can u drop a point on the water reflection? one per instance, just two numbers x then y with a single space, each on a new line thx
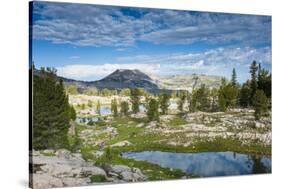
208 163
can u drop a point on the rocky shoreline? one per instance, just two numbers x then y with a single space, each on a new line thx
62 168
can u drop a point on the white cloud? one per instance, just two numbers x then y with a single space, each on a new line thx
98 71
218 61
91 25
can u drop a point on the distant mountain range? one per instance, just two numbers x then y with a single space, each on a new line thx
126 78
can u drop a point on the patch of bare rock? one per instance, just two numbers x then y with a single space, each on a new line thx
62 168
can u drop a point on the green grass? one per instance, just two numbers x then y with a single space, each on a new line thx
98 178
177 121
48 153
143 140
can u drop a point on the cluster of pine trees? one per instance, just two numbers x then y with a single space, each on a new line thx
254 93
152 104
51 111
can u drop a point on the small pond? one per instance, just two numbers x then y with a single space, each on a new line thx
206 164
86 120
105 110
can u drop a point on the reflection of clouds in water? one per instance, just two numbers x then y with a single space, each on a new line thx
202 164
267 163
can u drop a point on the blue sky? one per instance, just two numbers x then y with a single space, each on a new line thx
88 42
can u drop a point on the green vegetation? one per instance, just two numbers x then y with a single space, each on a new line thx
53 117
114 107
260 104
164 103
124 108
51 111
228 94
181 102
135 100
99 108
98 178
177 121
71 89
152 112
234 78
200 99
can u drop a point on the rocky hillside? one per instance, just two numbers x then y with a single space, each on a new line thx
187 81
125 78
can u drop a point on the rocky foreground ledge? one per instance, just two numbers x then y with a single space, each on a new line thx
62 168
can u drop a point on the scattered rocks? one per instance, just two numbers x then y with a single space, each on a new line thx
140 125
121 144
98 154
129 174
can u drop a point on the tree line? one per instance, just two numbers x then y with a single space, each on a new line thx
255 93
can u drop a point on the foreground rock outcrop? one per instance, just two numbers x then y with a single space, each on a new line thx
62 168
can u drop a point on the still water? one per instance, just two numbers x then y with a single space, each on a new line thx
206 164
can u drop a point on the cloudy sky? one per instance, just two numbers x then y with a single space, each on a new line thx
88 42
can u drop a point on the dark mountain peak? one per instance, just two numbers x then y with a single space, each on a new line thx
126 74
127 78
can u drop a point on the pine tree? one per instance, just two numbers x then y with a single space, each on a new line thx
124 108
234 77
90 103
228 95
253 71
260 103
51 111
135 100
72 113
181 102
164 103
245 95
264 81
114 107
200 99
153 112
98 108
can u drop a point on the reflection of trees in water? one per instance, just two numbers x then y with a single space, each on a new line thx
258 165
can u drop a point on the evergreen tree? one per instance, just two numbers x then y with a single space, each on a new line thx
105 92
181 102
71 89
153 112
114 107
214 99
135 99
260 103
234 77
98 108
222 102
253 71
245 95
90 103
83 106
164 103
51 111
125 92
264 81
72 113
200 99
124 108
228 95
